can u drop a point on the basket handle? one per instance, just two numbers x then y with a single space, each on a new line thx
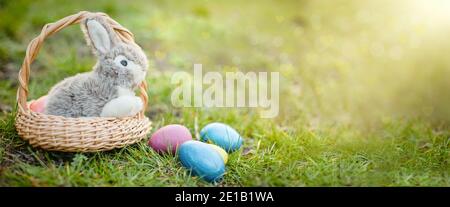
52 28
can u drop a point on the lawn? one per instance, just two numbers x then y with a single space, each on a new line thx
364 90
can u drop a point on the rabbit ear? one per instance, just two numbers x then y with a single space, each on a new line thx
99 35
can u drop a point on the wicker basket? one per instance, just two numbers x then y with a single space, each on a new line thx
57 133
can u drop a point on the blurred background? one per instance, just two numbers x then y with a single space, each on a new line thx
358 63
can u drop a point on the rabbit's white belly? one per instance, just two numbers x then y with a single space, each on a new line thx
124 91
127 104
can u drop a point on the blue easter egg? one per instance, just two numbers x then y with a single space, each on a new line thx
203 160
221 135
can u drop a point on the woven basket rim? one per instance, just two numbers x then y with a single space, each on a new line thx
86 119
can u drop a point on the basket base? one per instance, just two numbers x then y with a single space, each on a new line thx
56 133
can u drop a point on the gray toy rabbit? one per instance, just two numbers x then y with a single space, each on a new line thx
108 90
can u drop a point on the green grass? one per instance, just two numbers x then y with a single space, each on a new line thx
406 154
364 95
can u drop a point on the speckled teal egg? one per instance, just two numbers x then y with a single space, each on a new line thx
222 135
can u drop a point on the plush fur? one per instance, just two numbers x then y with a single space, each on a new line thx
108 90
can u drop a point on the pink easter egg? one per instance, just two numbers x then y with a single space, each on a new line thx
169 138
39 104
